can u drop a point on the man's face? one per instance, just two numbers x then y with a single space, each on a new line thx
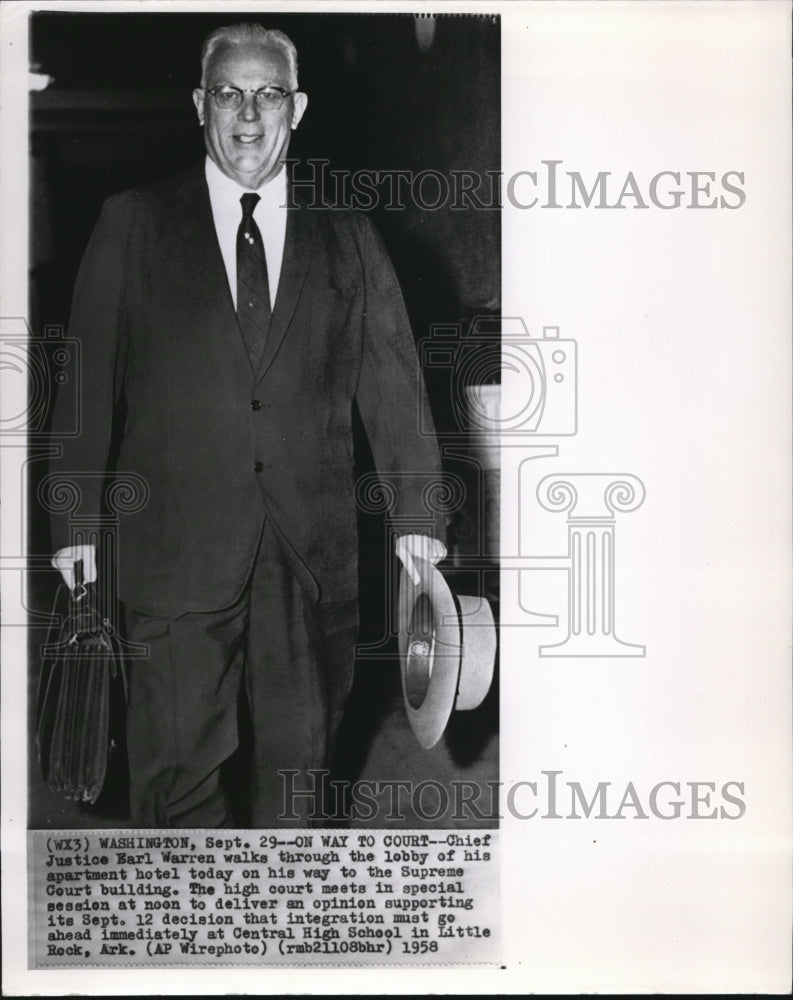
248 144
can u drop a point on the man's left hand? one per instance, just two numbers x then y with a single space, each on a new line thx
411 547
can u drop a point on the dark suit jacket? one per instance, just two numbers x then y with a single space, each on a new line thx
156 321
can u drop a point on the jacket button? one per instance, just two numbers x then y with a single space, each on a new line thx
256 404
258 466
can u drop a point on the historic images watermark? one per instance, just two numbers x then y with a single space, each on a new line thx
549 186
514 391
551 795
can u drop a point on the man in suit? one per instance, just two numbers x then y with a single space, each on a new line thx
241 333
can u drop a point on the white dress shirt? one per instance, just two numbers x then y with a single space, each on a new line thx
269 215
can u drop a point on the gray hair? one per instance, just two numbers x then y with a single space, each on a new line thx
244 33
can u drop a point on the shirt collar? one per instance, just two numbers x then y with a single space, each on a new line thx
272 194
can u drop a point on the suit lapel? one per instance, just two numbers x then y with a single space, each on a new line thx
205 278
301 233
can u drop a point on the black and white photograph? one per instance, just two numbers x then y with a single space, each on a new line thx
196 452
395 558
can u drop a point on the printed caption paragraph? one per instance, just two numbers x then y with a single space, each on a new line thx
186 898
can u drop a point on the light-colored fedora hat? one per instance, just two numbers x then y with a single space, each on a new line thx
447 651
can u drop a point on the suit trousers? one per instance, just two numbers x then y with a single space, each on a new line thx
291 660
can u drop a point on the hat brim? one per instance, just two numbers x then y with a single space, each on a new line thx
447 651
430 651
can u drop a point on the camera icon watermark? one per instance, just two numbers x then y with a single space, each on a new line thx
511 394
34 369
502 380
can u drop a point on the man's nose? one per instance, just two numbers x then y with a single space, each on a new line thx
249 111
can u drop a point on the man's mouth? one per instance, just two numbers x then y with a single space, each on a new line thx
247 139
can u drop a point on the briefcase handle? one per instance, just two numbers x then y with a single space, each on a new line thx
80 589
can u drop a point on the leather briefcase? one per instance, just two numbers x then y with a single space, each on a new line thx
82 679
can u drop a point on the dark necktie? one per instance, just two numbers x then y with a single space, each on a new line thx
253 290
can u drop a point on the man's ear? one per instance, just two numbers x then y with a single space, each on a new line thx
198 100
299 104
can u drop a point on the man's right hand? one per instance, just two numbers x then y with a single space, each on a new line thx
65 559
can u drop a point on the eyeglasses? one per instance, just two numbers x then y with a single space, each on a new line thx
265 99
